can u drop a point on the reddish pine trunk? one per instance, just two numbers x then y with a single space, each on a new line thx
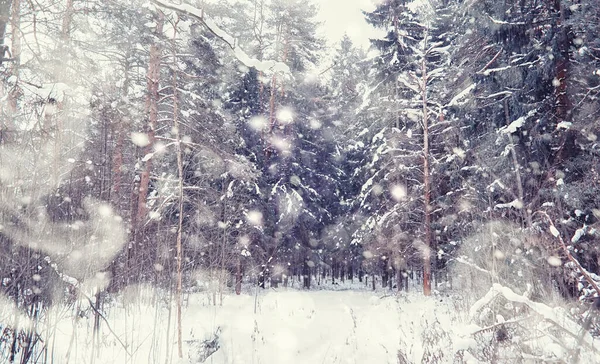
153 76
139 211
117 160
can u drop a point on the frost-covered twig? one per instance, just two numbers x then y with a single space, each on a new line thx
211 26
490 62
105 321
472 265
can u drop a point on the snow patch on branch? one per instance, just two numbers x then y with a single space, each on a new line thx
268 66
517 204
456 100
517 124
579 233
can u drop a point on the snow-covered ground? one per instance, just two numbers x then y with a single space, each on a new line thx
296 326
289 326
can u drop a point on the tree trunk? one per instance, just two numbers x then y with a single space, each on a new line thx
223 241
262 277
333 271
399 281
384 274
426 183
67 20
563 104
153 78
177 131
568 148
5 8
238 277
272 120
15 24
6 120
306 274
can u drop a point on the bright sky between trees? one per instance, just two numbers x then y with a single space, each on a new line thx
345 16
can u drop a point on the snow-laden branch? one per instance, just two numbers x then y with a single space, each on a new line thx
456 100
464 261
514 126
268 66
556 315
503 22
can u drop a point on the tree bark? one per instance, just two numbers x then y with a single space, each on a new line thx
152 112
568 148
426 183
306 274
238 277
15 24
153 78
67 21
176 128
5 9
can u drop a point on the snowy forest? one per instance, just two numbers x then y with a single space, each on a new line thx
219 181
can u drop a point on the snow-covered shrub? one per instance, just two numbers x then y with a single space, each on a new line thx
436 342
200 350
507 327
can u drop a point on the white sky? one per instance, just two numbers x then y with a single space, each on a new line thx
345 16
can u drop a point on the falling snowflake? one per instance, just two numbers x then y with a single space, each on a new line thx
140 139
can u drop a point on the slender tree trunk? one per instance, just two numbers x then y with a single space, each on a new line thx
153 78
67 21
223 244
563 104
568 147
426 184
15 24
5 10
384 274
119 132
238 277
272 105
168 336
517 168
5 119
176 128
333 271
286 50
306 274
